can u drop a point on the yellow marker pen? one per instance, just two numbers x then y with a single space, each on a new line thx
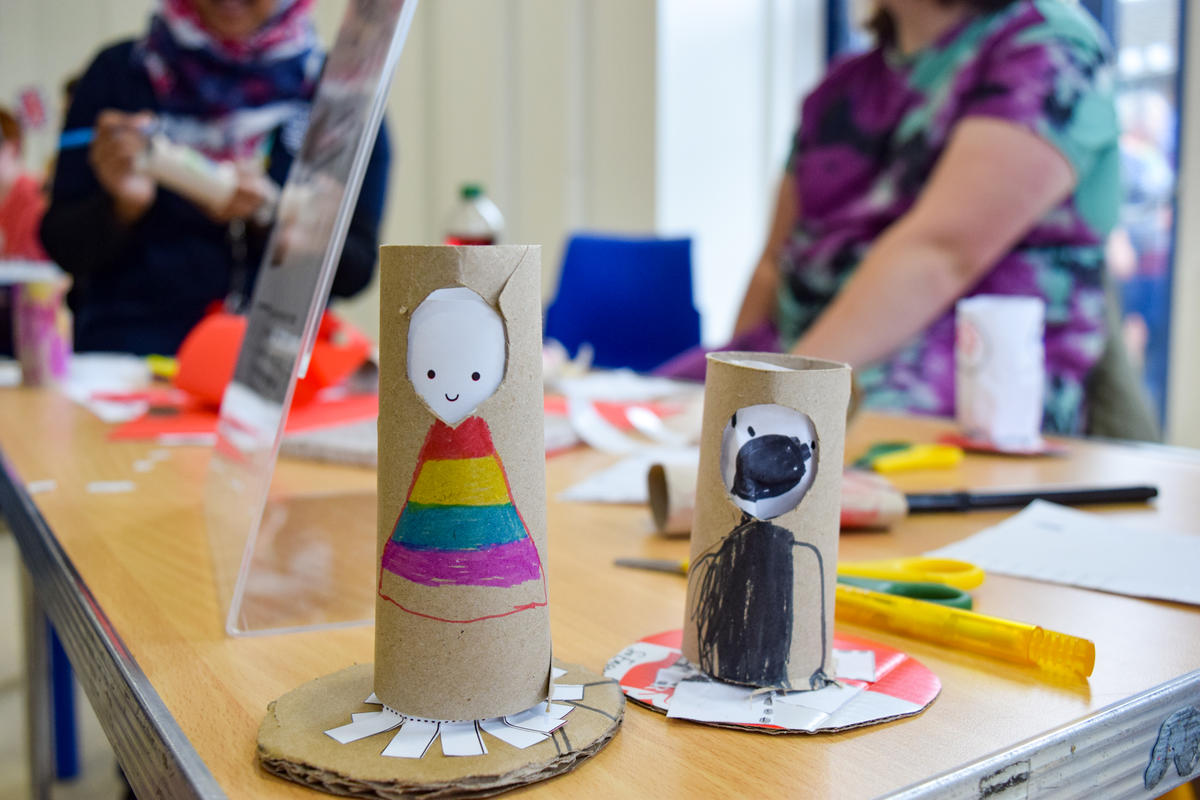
966 630
919 456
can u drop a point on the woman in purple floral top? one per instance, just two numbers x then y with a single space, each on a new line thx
973 151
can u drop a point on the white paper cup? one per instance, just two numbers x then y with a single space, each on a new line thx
1000 370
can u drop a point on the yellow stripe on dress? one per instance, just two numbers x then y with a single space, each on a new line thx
460 481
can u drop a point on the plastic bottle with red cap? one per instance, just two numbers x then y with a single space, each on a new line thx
475 219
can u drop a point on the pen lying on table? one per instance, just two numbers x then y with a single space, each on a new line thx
973 501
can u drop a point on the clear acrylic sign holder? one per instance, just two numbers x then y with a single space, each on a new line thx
295 553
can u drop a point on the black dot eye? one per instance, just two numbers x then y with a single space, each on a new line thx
750 430
474 376
431 374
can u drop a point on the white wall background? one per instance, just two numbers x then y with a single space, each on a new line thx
611 115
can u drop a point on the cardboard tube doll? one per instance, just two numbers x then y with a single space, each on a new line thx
462 622
765 533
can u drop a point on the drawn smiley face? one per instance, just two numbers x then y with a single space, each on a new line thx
768 459
456 352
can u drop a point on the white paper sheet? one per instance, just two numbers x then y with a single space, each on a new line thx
625 481
1053 543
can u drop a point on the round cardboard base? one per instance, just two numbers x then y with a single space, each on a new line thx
292 743
651 671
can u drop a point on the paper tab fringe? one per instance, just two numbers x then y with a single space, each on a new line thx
414 737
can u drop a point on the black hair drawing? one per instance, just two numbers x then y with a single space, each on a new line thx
745 584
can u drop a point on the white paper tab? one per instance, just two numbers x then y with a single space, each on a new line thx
111 487
567 691
535 719
519 738
855 665
364 725
462 739
412 740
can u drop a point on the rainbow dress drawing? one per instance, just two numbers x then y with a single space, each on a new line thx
459 527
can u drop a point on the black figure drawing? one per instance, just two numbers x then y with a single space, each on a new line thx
746 586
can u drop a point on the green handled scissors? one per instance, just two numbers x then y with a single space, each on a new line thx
938 593
959 574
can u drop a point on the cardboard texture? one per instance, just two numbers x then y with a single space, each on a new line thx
761 586
450 647
292 745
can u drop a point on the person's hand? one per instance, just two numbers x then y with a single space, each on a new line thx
113 155
253 190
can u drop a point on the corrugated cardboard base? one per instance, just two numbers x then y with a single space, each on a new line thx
292 743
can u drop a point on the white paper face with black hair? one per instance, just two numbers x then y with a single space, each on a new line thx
768 459
456 352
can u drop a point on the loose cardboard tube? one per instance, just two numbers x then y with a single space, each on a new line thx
462 626
672 490
761 585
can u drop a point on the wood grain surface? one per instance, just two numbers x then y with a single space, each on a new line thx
145 556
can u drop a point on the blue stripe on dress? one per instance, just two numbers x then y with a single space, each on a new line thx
439 527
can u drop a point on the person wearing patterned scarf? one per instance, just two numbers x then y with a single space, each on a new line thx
234 80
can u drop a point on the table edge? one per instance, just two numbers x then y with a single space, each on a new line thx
155 754
1118 741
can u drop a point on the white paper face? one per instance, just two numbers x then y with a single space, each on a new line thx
456 352
768 459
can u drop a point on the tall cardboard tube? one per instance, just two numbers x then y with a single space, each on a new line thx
462 626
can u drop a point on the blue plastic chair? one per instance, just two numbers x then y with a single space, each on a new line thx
629 298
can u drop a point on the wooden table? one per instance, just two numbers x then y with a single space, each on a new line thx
126 579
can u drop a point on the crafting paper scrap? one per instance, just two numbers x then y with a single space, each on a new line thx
111 487
519 738
1053 543
412 740
826 700
856 665
556 673
535 719
566 691
364 725
143 465
462 739
867 707
37 487
706 700
654 672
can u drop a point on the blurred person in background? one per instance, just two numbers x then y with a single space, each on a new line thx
21 201
234 81
973 150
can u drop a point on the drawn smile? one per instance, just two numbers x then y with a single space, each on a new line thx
451 399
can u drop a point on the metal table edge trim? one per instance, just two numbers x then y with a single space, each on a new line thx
1114 742
156 756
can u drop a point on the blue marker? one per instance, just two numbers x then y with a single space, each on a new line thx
82 137
79 137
